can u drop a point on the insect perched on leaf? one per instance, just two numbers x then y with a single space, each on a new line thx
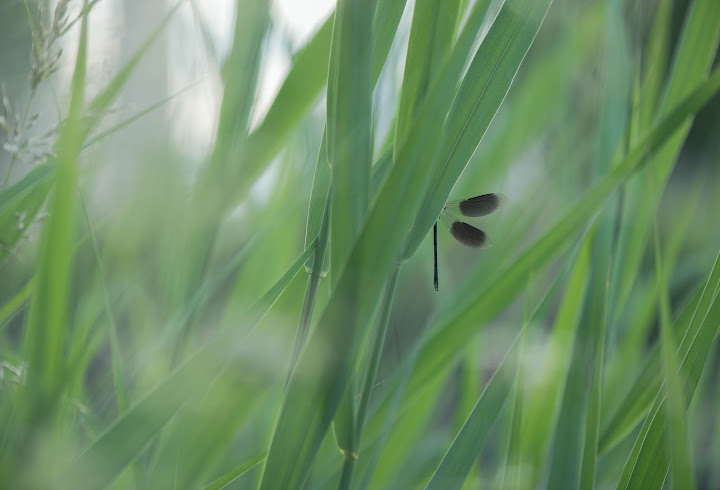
463 232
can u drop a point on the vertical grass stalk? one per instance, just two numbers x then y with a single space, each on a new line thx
371 369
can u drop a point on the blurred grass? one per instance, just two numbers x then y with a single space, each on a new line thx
149 299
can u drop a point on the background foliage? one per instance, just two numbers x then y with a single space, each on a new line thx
260 312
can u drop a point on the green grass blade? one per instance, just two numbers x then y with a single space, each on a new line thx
623 411
349 152
385 24
302 86
368 382
352 183
431 36
318 204
679 449
545 396
119 382
101 102
311 291
138 115
47 325
463 452
349 125
300 90
24 198
227 479
240 73
11 307
454 468
450 334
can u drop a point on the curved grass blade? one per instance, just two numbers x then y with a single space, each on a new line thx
227 479
574 453
121 391
350 452
100 103
463 452
545 396
431 38
20 203
12 306
312 288
349 151
349 126
300 90
318 204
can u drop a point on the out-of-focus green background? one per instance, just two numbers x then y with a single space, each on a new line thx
163 178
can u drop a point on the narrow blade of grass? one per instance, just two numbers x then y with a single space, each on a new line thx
349 152
22 199
463 452
227 479
12 306
431 37
300 90
678 444
47 325
545 396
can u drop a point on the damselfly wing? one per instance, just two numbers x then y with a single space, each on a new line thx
463 232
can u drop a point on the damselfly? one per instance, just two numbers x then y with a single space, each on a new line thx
463 232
